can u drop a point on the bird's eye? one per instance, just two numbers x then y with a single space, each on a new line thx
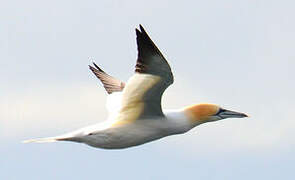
221 110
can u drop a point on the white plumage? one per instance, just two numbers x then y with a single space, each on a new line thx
135 111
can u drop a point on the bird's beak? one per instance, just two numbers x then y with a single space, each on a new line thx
232 114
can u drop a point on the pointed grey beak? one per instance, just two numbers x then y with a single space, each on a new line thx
231 114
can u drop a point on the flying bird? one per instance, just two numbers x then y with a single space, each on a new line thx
135 112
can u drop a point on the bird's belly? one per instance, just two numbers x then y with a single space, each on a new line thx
124 137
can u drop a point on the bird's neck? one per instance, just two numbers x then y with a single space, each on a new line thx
180 120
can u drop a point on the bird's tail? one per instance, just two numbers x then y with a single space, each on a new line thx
47 140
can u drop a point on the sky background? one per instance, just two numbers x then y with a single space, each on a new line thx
238 54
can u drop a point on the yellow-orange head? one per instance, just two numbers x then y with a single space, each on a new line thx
201 113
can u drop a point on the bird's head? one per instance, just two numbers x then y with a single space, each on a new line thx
201 113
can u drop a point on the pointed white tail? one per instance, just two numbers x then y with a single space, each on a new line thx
41 140
47 140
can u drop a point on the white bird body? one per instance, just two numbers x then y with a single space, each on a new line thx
132 134
135 110
110 135
116 134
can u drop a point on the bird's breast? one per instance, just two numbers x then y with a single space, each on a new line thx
130 134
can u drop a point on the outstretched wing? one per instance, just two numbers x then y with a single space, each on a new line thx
110 83
150 60
143 92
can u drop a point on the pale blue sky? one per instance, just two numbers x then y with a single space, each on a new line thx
239 54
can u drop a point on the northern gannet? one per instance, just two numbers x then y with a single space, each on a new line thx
135 112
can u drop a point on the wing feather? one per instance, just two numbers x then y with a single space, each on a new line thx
110 83
143 92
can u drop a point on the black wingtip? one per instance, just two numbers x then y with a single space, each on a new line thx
141 28
92 68
98 68
137 31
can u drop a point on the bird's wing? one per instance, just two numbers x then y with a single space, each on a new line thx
114 88
110 83
143 92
